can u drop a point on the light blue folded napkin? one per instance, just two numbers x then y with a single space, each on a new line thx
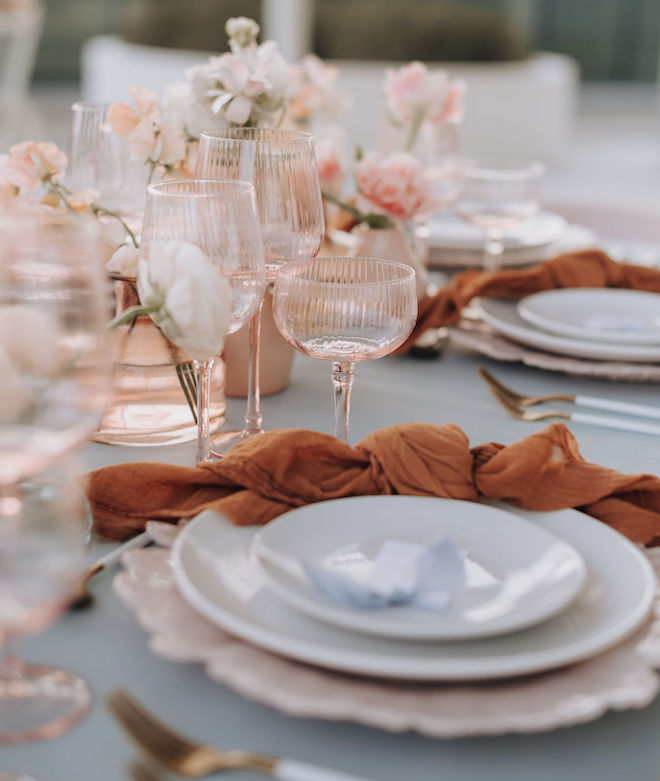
403 573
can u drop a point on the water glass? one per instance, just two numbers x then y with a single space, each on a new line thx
497 198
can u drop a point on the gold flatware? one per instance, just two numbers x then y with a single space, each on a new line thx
195 760
82 597
521 413
593 402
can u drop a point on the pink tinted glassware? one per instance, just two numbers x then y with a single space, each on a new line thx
42 552
497 198
344 310
281 164
220 218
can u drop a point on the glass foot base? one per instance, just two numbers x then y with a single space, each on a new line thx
224 441
42 703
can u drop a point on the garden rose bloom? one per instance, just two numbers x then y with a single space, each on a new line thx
331 166
396 184
30 162
124 261
193 299
413 89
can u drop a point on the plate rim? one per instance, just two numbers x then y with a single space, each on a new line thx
511 244
526 334
580 332
393 668
349 620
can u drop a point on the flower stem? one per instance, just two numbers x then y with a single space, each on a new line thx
131 313
372 220
413 131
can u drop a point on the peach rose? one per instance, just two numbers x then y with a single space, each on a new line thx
395 184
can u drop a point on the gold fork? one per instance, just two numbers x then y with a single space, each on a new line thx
194 760
625 424
140 771
593 402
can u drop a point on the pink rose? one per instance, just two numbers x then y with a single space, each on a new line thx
30 162
395 184
331 166
413 89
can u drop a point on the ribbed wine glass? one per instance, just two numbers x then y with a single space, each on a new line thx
345 310
100 160
282 166
497 197
220 218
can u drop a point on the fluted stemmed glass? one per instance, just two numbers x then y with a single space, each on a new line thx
344 310
282 166
497 197
55 378
220 218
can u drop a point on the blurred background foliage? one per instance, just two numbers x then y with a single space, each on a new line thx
613 40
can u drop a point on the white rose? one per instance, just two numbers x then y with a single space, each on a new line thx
191 300
124 261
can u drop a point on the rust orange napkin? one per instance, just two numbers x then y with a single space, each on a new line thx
586 268
270 474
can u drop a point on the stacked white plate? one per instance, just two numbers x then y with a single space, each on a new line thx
543 589
595 323
454 243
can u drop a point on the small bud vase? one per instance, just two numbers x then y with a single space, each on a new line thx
148 405
275 357
400 243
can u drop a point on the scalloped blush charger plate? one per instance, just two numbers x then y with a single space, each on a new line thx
508 587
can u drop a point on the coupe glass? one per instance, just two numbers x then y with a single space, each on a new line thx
282 166
345 310
42 552
219 217
497 198
100 160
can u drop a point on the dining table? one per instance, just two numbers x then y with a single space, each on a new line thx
109 649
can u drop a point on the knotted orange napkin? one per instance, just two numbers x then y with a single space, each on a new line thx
270 474
586 268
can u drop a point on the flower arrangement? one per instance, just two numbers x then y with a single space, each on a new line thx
315 94
248 86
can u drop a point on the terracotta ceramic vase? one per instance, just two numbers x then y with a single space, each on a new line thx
399 243
275 357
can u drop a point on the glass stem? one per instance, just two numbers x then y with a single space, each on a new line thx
253 416
493 250
342 382
203 373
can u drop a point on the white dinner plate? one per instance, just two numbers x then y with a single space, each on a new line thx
503 316
447 231
609 315
214 571
508 587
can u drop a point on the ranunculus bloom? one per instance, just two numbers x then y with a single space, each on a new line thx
30 162
194 300
413 89
395 184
